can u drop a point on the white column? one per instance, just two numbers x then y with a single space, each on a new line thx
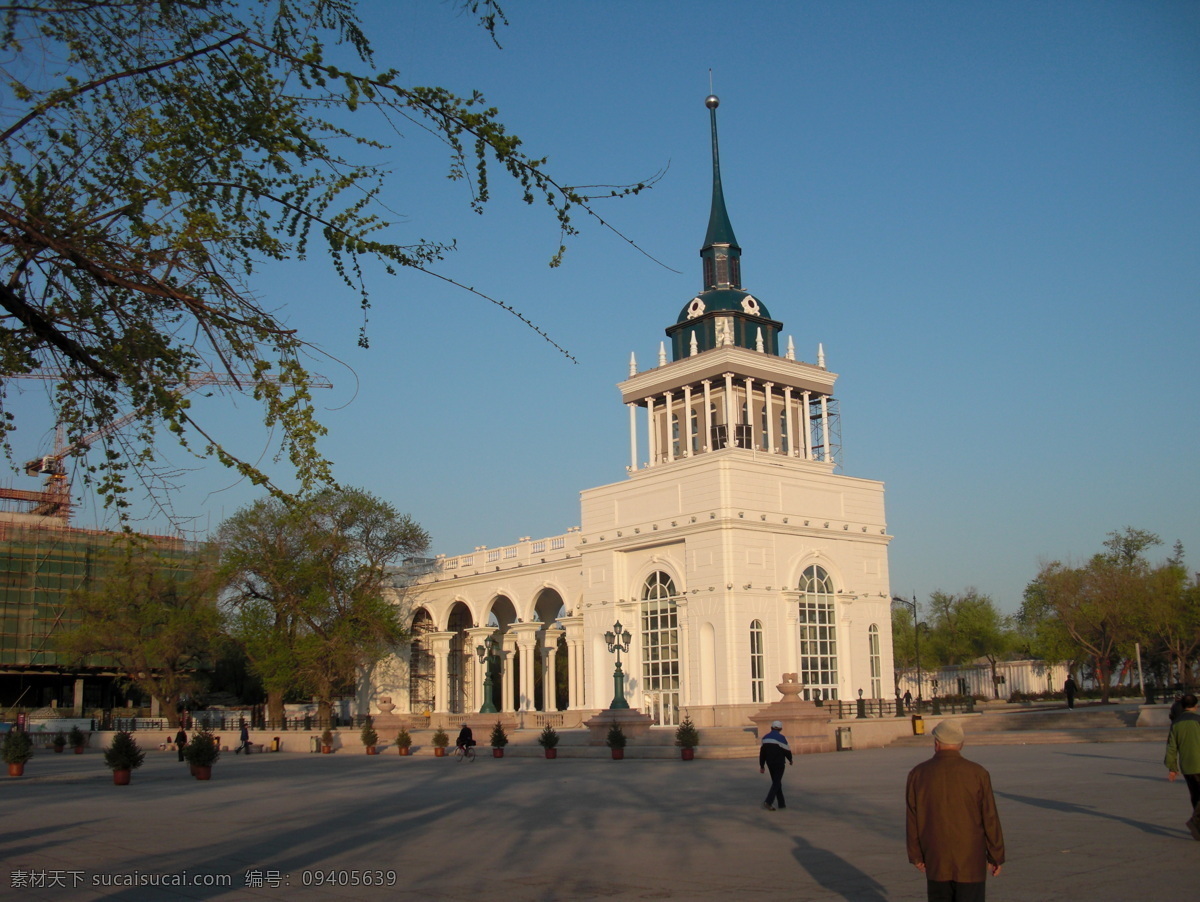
668 414
508 650
729 422
751 419
633 438
825 428
685 658
787 413
439 645
769 414
687 416
526 637
807 430
706 444
653 431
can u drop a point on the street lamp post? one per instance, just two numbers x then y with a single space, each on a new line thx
916 640
618 639
487 657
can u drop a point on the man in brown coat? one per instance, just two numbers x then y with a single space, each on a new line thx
953 828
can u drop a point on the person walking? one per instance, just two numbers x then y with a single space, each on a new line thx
775 755
180 741
1183 756
243 739
953 828
1070 689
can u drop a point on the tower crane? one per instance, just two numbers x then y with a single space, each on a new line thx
54 500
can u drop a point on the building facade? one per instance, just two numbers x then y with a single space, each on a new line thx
735 550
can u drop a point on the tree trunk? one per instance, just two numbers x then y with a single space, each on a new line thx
275 711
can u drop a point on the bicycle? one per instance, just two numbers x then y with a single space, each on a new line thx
464 753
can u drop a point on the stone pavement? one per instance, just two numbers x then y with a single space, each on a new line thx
1083 821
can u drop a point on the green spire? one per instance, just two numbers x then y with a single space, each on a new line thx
721 254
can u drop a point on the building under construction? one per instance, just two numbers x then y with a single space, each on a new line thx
44 565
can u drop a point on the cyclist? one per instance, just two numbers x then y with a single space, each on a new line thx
466 739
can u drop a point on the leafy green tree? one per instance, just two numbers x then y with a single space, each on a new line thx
966 627
307 588
154 617
155 153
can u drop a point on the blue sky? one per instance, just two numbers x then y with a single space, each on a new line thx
989 214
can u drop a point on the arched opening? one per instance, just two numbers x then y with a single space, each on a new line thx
549 683
876 662
501 615
757 689
660 648
459 683
818 635
420 664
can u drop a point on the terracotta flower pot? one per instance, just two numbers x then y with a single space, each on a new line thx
58 749
497 753
78 750
121 777
687 754
371 750
326 750
16 770
551 753
404 750
439 752
618 754
203 773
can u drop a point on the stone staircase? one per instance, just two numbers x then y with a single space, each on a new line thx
1022 726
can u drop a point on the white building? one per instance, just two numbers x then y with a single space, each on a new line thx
733 553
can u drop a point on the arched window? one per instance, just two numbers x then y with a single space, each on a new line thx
757 693
660 648
876 671
818 634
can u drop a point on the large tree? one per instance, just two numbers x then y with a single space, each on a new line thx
1099 605
153 617
307 589
154 154
967 626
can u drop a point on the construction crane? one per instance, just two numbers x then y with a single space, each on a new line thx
54 500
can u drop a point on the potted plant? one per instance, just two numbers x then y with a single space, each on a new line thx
123 757
499 740
201 753
440 741
76 739
403 742
59 742
18 748
687 737
549 741
616 740
327 742
369 737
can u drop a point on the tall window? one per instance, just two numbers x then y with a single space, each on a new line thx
784 439
694 429
675 448
756 662
660 648
818 635
876 682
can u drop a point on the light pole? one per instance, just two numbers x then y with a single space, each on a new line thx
487 657
618 639
916 639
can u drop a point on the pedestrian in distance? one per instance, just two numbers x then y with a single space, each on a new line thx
907 700
1070 689
774 754
953 828
1183 756
243 739
180 741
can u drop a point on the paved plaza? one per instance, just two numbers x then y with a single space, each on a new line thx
1093 821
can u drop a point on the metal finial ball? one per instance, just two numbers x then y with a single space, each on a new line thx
712 101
